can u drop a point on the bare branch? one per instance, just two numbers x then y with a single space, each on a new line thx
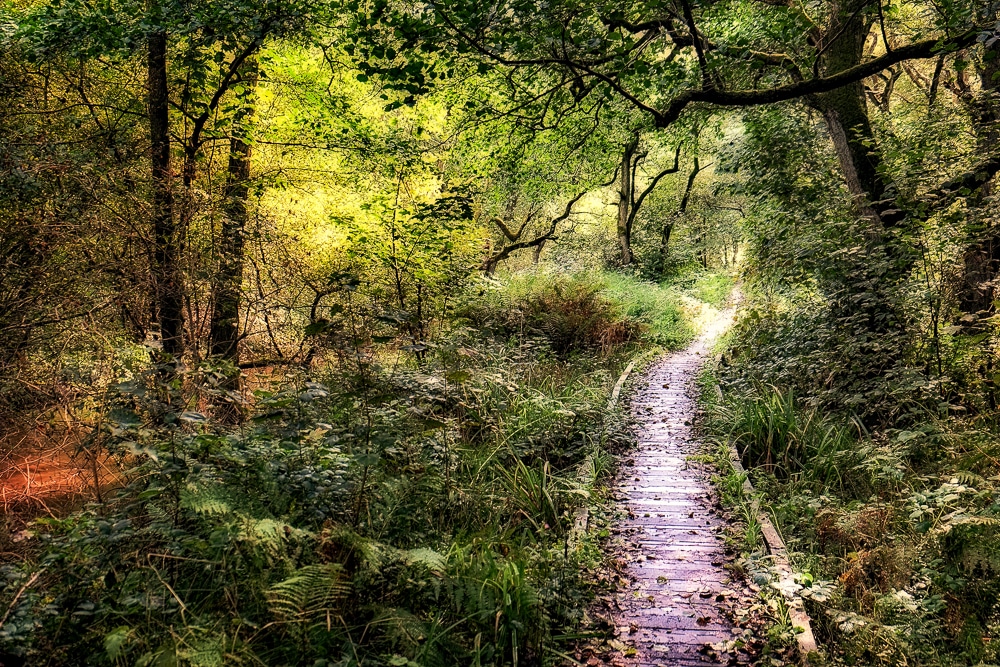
652 184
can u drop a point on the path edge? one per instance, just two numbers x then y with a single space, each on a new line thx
581 517
808 649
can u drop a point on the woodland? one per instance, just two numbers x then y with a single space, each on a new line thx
314 316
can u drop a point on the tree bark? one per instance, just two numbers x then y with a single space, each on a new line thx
167 278
625 201
228 281
846 113
982 259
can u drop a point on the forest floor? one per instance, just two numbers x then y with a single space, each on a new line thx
679 599
46 474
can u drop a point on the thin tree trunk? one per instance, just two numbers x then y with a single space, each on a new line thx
167 278
625 200
668 227
538 253
227 287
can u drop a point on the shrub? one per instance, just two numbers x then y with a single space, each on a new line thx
595 312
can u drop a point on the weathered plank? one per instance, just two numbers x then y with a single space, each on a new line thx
673 613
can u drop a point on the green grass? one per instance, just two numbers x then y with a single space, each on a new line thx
658 307
713 288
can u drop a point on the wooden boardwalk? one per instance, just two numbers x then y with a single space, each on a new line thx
676 610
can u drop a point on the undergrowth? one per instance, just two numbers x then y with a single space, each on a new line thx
892 529
390 508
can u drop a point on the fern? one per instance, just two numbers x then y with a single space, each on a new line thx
208 501
308 598
977 520
969 478
429 558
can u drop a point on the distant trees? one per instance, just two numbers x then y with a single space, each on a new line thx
201 67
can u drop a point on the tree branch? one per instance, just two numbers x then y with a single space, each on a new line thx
918 50
968 182
652 184
490 263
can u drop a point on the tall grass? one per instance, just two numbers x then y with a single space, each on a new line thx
770 430
604 312
894 534
658 307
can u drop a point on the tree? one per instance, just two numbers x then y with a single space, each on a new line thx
228 279
668 223
630 198
168 281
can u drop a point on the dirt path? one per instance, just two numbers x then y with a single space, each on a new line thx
678 608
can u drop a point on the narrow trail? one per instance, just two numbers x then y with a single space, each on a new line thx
678 609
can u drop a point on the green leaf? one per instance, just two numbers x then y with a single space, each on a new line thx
115 640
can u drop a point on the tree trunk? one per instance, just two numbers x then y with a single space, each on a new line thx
889 257
625 200
668 226
167 278
982 260
228 282
537 255
227 287
846 114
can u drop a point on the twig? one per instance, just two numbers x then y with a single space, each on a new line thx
17 596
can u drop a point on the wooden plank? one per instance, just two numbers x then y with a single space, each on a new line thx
674 607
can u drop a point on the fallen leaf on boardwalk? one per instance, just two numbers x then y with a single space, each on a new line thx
704 620
633 628
707 650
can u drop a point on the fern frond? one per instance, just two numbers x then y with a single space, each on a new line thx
969 478
978 520
429 558
308 597
208 501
